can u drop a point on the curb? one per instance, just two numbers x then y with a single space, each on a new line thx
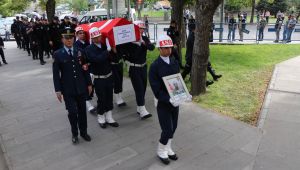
265 107
6 158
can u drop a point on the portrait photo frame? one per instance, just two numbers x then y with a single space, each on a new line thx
176 88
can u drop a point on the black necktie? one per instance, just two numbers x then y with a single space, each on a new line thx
70 53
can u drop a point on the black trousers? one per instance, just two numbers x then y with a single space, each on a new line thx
77 113
168 119
187 70
27 47
18 40
41 50
117 70
104 92
34 50
138 77
2 55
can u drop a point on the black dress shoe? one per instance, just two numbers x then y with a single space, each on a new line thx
146 116
216 77
93 111
5 62
165 161
173 157
115 124
122 104
86 137
102 125
209 82
75 140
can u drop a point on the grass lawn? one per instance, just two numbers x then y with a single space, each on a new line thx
246 70
154 13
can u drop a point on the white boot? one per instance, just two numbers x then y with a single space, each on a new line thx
89 106
162 153
171 153
101 120
119 100
144 114
109 119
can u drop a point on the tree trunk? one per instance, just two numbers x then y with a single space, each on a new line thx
204 13
50 9
252 11
177 15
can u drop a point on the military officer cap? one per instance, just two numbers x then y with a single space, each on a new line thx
67 18
68 33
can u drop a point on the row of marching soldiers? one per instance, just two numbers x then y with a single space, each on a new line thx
77 63
38 37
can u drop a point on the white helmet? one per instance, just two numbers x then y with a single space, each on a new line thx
79 28
140 23
164 41
94 32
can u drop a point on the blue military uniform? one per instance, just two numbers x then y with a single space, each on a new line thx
81 45
101 69
71 80
167 113
136 58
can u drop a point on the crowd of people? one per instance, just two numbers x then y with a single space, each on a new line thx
39 37
288 26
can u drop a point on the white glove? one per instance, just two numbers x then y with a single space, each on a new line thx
107 44
137 43
173 102
189 98
155 102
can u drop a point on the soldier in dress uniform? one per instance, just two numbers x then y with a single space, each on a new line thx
39 33
82 44
25 35
32 40
55 35
99 57
46 38
71 81
167 108
14 32
136 53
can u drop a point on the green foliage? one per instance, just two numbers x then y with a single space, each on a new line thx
236 5
278 5
263 5
78 5
11 7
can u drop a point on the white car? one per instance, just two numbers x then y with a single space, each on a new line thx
162 5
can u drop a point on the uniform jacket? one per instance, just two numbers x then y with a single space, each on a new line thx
158 70
173 34
136 53
99 59
80 45
54 32
68 74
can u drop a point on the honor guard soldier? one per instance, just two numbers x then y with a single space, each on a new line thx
32 40
167 108
55 35
39 33
71 81
136 60
82 44
99 58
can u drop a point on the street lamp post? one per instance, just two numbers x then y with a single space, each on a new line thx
221 22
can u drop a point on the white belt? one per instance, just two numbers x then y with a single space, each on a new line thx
102 76
135 65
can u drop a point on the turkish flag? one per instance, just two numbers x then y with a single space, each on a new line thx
118 31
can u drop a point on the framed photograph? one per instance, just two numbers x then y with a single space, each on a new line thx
176 87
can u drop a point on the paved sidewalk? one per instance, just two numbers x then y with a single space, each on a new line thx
35 133
280 145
